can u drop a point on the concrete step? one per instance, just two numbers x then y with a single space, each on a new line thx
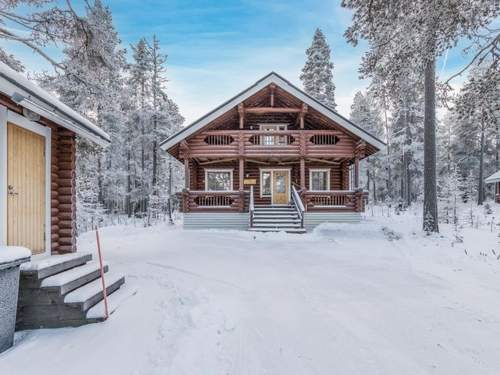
88 295
276 214
73 278
39 269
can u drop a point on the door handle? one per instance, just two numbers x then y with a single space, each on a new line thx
11 190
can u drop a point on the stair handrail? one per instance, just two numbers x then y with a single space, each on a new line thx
251 206
298 205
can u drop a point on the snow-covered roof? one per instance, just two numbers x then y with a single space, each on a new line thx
256 87
27 94
495 177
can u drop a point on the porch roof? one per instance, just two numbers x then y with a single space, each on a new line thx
30 96
495 177
256 87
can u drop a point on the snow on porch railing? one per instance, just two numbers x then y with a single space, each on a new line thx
336 199
198 200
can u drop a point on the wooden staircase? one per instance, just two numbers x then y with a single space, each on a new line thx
65 291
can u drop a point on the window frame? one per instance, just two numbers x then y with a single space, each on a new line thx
270 171
272 127
223 170
328 174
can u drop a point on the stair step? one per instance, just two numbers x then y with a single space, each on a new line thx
74 278
288 230
276 225
91 293
275 214
273 206
270 212
275 220
115 299
45 267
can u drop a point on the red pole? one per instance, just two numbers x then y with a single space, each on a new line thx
105 295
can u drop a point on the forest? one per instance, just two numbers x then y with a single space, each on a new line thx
443 138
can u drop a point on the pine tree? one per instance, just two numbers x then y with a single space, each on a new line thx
478 109
317 76
403 34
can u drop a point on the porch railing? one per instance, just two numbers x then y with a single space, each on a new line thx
197 200
297 202
251 206
348 200
260 142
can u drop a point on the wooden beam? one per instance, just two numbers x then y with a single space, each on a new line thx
302 173
302 114
273 87
324 161
217 161
241 112
257 161
260 110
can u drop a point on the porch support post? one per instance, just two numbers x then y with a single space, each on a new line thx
186 174
241 173
356 173
302 173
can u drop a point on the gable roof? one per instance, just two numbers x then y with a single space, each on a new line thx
256 87
495 177
27 94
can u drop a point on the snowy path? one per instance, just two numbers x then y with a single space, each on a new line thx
343 300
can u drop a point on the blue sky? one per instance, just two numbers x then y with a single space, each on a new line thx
217 48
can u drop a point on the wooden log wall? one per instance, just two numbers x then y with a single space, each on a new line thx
66 190
63 191
252 171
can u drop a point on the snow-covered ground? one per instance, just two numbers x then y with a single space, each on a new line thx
373 298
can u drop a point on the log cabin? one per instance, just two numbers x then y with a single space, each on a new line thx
37 166
495 179
271 158
59 287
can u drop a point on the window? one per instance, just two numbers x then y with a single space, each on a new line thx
319 179
218 180
265 184
272 140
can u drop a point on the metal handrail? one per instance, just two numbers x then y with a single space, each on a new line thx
298 204
251 206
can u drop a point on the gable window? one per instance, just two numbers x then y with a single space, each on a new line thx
319 179
218 179
272 140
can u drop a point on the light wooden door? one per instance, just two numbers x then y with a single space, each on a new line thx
26 192
281 187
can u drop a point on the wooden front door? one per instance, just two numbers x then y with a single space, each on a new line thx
281 186
26 192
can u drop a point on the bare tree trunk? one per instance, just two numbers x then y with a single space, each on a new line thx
480 188
388 149
430 218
